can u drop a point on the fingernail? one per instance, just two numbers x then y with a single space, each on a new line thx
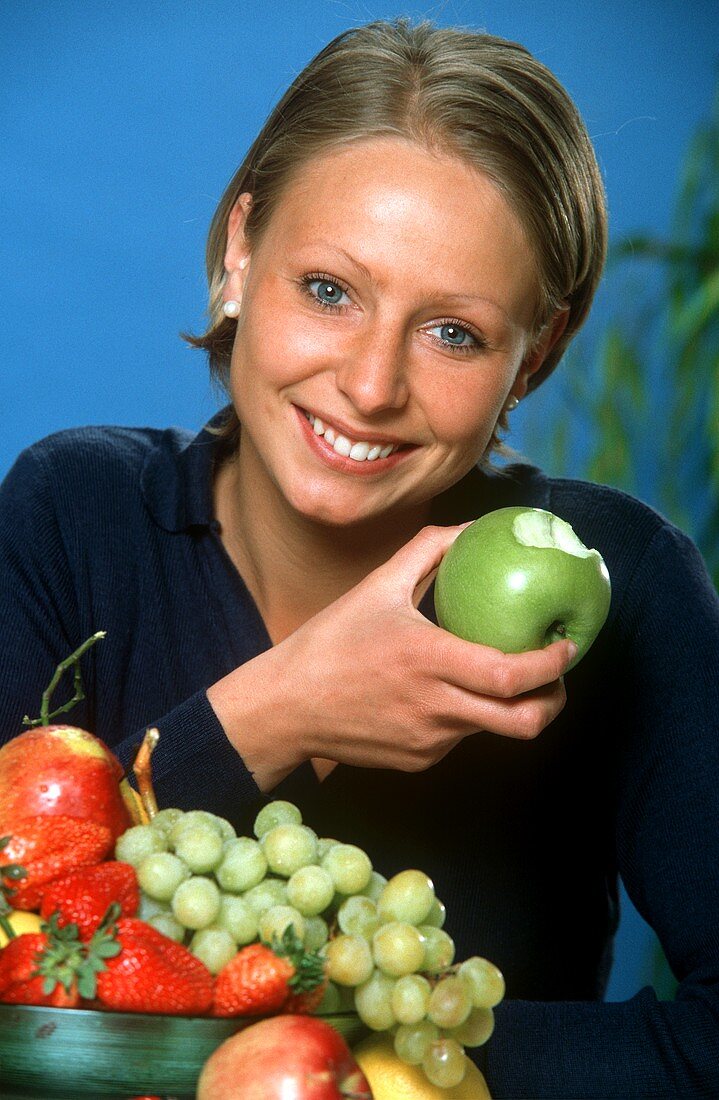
573 650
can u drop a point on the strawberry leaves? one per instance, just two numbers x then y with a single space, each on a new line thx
68 961
309 966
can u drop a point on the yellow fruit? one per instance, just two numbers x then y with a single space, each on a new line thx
392 1079
20 922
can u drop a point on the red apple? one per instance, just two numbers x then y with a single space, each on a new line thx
61 770
283 1058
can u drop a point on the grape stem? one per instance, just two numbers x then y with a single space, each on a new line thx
73 661
434 977
143 771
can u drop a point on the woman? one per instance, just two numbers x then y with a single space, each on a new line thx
408 248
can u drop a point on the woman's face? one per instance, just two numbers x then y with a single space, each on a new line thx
385 317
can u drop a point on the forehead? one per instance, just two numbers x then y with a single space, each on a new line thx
397 206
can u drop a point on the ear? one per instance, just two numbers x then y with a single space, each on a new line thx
237 253
539 350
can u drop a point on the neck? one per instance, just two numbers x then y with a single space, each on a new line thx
292 565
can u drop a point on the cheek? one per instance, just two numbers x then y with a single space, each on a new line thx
463 413
276 354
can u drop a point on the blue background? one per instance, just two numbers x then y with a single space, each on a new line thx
121 124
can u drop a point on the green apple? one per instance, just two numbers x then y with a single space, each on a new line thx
518 579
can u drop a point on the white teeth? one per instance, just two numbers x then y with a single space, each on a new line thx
342 446
360 451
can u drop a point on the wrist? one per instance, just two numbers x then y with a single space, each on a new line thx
252 709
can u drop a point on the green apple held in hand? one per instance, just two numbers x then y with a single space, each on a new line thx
518 579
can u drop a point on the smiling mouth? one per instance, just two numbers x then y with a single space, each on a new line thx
358 450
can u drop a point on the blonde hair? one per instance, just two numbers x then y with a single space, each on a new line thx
481 98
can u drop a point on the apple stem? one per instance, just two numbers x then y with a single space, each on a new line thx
143 771
73 661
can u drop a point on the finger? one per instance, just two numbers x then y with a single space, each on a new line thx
486 671
416 563
523 717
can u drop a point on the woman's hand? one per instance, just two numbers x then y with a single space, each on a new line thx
370 682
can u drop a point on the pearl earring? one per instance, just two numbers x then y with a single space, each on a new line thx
231 308
511 403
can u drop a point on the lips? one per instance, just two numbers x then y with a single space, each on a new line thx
347 446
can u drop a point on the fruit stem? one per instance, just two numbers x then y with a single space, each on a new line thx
9 872
7 928
73 661
143 771
133 802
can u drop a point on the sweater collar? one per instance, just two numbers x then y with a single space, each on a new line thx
176 478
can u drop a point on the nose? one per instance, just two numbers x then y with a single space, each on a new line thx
373 372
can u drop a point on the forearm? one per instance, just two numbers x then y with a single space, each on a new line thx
194 765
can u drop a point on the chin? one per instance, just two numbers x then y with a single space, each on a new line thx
330 513
327 505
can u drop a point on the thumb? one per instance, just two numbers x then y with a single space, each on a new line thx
414 566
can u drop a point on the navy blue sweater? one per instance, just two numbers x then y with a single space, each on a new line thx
112 529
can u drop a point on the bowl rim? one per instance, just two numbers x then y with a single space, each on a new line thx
109 1014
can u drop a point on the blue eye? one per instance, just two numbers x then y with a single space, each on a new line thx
325 291
455 336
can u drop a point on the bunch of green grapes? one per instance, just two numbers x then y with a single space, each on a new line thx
204 886
386 952
393 950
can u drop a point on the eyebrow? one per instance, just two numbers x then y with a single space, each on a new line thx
365 271
357 264
475 298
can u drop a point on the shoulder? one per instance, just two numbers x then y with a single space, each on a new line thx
591 508
641 547
601 516
649 558
615 515
83 479
82 463
99 450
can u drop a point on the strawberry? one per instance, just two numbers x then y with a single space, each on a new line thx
152 973
253 983
49 847
83 896
41 968
304 1004
260 979
126 965
22 983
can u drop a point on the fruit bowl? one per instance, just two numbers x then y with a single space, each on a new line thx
83 1054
